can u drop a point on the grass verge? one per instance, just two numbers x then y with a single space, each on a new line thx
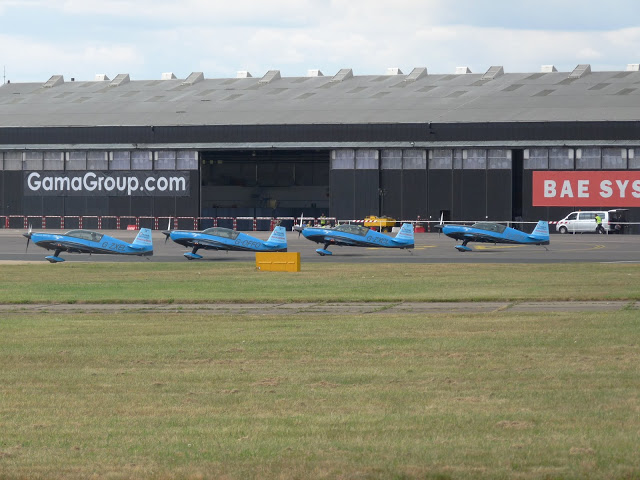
161 395
240 282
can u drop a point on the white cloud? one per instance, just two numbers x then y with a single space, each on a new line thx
147 37
36 61
195 12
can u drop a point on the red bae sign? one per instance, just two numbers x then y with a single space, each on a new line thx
586 189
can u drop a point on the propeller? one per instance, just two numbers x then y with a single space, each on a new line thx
28 235
440 225
167 233
301 226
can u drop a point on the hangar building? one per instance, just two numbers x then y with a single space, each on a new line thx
467 146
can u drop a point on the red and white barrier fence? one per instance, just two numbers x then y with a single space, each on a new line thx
113 222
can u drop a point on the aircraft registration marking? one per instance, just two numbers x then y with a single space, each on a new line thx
113 246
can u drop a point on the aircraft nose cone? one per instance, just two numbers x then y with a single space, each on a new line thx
166 233
26 235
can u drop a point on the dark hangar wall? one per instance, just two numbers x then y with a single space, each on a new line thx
422 193
324 133
463 194
14 202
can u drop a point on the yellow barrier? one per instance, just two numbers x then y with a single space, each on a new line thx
278 261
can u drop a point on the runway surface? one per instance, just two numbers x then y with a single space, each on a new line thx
429 248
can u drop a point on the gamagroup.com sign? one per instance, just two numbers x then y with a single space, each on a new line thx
100 183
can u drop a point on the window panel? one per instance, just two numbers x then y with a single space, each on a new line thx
141 160
120 160
13 160
499 159
612 159
366 159
476 159
187 160
589 159
33 160
165 160
441 159
97 160
343 159
76 160
457 159
538 159
53 161
391 159
414 159
634 159
560 159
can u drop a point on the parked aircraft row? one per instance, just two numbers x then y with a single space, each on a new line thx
218 238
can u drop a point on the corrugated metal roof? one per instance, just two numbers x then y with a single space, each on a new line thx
510 97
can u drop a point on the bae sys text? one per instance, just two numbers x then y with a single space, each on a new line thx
100 183
586 189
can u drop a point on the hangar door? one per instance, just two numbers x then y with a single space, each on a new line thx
264 183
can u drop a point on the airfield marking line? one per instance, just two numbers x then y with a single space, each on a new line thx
594 247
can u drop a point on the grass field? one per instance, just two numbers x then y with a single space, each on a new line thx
240 282
202 395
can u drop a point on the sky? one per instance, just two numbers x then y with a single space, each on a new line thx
145 38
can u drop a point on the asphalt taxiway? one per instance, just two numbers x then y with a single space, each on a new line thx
429 248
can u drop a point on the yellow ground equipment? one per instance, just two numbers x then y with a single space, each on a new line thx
278 261
382 224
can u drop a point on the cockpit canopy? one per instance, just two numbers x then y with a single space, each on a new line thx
490 227
222 232
85 235
352 229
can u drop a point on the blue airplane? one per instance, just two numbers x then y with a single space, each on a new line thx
87 241
218 238
347 235
489 232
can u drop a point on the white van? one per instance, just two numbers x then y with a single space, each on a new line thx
585 221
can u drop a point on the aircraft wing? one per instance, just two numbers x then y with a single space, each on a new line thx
210 243
73 247
482 237
341 240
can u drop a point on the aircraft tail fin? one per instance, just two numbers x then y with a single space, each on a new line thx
143 239
405 235
278 237
541 232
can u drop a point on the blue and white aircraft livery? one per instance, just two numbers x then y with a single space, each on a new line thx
347 235
87 241
218 238
489 232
